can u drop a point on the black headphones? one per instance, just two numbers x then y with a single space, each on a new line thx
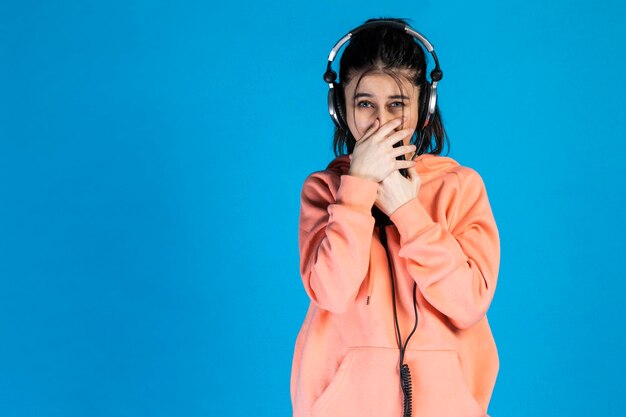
428 99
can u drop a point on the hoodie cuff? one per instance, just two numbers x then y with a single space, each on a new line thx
357 192
411 219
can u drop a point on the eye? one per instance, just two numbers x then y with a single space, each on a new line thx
365 104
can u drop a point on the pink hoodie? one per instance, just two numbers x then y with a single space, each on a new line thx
346 357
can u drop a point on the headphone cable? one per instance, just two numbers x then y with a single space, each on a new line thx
405 372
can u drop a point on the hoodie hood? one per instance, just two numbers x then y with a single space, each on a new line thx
426 164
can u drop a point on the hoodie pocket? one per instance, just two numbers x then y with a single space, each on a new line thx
367 383
439 388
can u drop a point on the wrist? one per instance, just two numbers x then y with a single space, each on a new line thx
354 173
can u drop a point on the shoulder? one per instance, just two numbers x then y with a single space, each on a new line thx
467 180
327 181
472 198
321 183
448 170
468 177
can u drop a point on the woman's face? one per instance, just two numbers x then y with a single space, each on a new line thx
379 97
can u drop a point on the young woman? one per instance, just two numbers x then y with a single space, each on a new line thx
393 249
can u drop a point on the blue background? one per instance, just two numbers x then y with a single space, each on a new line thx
151 159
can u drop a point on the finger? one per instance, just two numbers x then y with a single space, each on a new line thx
387 128
370 131
403 150
403 164
397 136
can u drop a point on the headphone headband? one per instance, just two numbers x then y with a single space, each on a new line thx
435 74
379 23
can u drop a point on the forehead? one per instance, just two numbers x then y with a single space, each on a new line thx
380 83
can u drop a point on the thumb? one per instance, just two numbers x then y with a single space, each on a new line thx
411 171
413 174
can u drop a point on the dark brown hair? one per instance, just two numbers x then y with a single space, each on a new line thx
390 51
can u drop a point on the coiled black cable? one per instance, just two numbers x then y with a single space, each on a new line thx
405 377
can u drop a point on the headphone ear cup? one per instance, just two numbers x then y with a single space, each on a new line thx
340 107
336 107
424 104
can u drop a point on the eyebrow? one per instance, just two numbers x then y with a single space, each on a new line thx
402 97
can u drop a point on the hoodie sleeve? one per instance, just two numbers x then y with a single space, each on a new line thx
456 270
335 235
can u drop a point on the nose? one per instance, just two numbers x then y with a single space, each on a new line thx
385 117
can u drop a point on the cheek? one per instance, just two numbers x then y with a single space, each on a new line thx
359 124
362 124
412 121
